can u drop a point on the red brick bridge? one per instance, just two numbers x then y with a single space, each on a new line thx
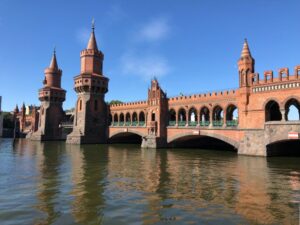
250 119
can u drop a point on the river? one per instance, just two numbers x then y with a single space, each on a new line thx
56 183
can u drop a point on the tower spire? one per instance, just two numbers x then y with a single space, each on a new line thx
53 63
92 41
246 50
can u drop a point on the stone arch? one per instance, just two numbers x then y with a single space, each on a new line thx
127 118
79 105
289 103
217 115
192 116
225 139
181 117
231 115
116 118
272 111
142 117
121 119
172 117
127 131
204 115
134 118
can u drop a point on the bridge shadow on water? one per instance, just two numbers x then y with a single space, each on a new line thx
284 148
202 142
126 138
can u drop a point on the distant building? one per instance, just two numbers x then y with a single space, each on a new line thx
1 118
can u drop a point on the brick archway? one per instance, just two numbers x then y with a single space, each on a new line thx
130 131
223 138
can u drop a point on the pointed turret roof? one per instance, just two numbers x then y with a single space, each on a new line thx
246 50
16 110
53 63
92 41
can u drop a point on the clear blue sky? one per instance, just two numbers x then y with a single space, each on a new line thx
190 46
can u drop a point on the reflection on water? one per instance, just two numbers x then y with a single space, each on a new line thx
55 183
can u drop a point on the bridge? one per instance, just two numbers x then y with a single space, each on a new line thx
253 119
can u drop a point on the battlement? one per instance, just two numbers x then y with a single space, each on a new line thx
282 77
129 105
204 96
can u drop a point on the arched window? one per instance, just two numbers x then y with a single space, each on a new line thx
292 110
121 122
141 118
116 120
134 119
193 118
172 117
218 116
272 111
232 116
79 106
181 117
128 119
204 116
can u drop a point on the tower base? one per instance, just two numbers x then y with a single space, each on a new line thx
78 139
153 142
37 136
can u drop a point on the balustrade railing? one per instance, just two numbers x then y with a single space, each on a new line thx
181 123
192 123
172 123
204 123
231 123
217 123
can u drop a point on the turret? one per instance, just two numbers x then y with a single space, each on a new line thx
53 73
91 57
246 65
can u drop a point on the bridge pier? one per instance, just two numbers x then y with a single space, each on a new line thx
151 141
253 143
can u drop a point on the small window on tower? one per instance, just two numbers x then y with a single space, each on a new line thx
96 105
153 117
80 105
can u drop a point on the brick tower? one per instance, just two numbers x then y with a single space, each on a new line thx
52 97
157 117
90 120
246 76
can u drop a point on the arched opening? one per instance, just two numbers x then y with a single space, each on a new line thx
218 116
193 117
172 117
121 122
126 138
181 117
202 143
110 119
142 119
292 110
284 148
134 119
128 119
116 120
272 111
232 116
204 116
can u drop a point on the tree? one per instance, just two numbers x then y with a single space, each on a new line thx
115 102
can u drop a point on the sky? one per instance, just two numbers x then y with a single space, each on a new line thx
190 46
